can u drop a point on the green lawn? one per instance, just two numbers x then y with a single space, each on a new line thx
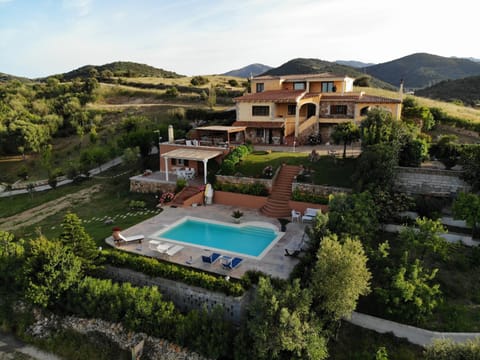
112 201
326 171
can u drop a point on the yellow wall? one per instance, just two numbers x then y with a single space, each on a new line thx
395 109
273 84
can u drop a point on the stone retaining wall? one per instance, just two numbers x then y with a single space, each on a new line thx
146 186
249 180
430 181
322 190
185 297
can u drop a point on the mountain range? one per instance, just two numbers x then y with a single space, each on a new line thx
421 70
249 70
418 70
466 90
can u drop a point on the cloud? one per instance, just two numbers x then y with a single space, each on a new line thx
81 7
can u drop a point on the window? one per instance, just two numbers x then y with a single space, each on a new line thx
338 109
328 86
260 87
259 132
292 109
260 110
299 86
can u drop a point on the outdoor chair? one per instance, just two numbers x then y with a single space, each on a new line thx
296 215
211 258
119 239
232 263
173 250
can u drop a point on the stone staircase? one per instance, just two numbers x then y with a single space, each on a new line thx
186 193
277 204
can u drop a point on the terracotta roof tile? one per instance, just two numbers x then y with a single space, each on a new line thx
302 77
359 98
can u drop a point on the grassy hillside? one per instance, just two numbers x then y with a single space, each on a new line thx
7 77
451 109
313 66
467 90
421 70
120 68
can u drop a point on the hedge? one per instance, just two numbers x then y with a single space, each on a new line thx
156 268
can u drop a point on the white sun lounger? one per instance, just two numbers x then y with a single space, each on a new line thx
173 250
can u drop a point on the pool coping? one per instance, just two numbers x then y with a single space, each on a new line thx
278 235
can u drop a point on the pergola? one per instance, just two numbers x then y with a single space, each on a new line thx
193 154
219 129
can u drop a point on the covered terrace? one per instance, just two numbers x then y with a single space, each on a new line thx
218 135
190 154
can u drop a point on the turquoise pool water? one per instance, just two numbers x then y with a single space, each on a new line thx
241 239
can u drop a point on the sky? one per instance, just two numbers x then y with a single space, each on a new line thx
198 37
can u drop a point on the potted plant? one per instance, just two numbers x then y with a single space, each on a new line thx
283 224
237 214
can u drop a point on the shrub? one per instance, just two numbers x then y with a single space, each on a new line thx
137 204
189 276
171 92
257 189
233 82
181 183
307 196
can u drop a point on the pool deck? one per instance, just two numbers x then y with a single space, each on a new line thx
274 261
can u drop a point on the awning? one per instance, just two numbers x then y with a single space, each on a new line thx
192 154
261 124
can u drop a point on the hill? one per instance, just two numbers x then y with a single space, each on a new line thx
421 70
249 70
120 68
467 90
353 63
7 77
313 66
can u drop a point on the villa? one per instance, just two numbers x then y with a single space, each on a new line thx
286 108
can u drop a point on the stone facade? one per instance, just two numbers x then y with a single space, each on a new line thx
325 109
430 181
185 297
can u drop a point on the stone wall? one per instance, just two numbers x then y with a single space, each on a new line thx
322 190
185 297
249 180
430 181
145 186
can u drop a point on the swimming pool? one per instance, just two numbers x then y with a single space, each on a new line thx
251 240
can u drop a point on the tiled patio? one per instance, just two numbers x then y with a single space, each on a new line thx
274 262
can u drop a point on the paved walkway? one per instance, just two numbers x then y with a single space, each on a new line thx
413 334
449 237
92 172
10 348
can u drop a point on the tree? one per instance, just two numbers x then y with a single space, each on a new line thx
470 157
339 278
75 237
376 168
50 270
11 260
377 128
279 325
345 133
423 238
353 215
447 150
467 207
411 293
420 115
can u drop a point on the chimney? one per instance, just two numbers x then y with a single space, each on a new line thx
170 134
